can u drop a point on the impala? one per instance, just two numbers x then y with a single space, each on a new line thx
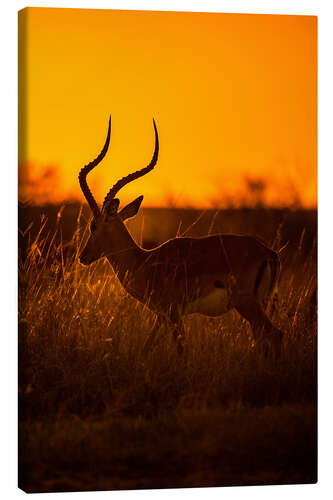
207 275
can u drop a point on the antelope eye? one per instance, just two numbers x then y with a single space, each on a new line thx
92 226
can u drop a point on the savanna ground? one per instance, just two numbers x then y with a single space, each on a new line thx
96 413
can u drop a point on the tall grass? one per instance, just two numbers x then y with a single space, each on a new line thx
81 338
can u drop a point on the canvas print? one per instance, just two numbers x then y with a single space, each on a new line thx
167 260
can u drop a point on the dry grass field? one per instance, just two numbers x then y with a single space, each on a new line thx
95 413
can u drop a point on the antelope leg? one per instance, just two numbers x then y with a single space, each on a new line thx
263 329
177 329
152 335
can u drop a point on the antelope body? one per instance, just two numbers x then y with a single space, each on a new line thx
207 275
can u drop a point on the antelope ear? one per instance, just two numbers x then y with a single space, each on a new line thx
131 209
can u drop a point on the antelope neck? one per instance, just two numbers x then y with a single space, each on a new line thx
123 253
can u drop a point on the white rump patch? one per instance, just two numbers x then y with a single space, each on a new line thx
213 304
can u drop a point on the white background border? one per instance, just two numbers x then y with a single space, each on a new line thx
8 239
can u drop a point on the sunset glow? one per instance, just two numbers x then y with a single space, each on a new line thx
234 98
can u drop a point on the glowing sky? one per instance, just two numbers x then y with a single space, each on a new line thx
234 96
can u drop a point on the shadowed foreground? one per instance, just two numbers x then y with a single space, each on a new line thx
188 448
96 413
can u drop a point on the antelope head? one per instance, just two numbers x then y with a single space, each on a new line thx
107 223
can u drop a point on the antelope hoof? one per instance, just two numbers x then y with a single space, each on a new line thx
271 347
180 345
148 346
278 344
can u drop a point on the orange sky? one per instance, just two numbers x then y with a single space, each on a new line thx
234 96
